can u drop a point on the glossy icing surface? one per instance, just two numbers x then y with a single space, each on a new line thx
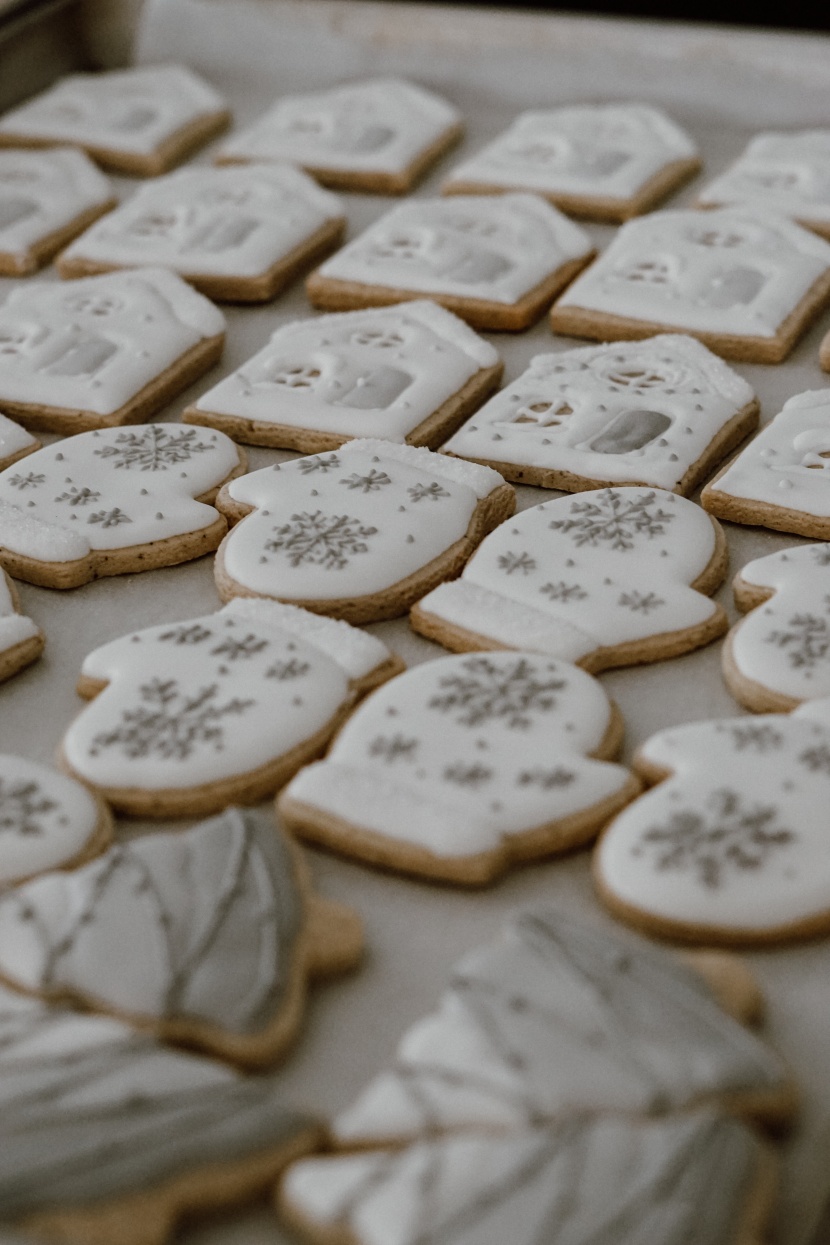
14 628
357 374
131 110
93 344
350 523
198 924
459 753
584 572
13 439
785 173
112 489
380 125
643 411
214 697
732 270
220 221
45 818
473 246
592 150
41 191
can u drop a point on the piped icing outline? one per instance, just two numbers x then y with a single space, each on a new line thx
787 173
41 193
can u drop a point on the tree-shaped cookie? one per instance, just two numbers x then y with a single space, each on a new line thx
782 478
779 655
608 578
205 937
360 533
47 821
731 846
21 640
189 717
103 351
409 373
557 1017
464 765
115 501
107 1135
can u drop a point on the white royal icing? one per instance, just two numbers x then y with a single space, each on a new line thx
784 644
112 489
199 924
784 173
93 344
788 463
90 1109
356 374
14 440
214 697
643 411
559 1017
585 572
582 1181
471 246
132 110
730 271
459 754
43 191
223 222
45 818
352 522
379 126
591 150
736 838
14 628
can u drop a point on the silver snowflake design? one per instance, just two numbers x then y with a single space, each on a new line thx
321 462
640 602
237 650
463 775
805 640
489 692
153 449
725 835
187 633
760 738
79 496
22 804
512 562
284 671
326 540
109 518
427 492
547 779
390 748
170 723
563 592
817 759
32 480
370 483
614 519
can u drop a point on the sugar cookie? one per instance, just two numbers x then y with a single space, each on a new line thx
601 161
15 442
240 234
140 120
608 578
380 135
205 937
312 522
780 480
47 821
466 765
496 262
21 640
410 373
586 1180
747 284
731 846
189 717
113 502
105 351
785 173
105 1135
660 412
46 198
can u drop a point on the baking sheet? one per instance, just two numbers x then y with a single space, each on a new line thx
721 85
